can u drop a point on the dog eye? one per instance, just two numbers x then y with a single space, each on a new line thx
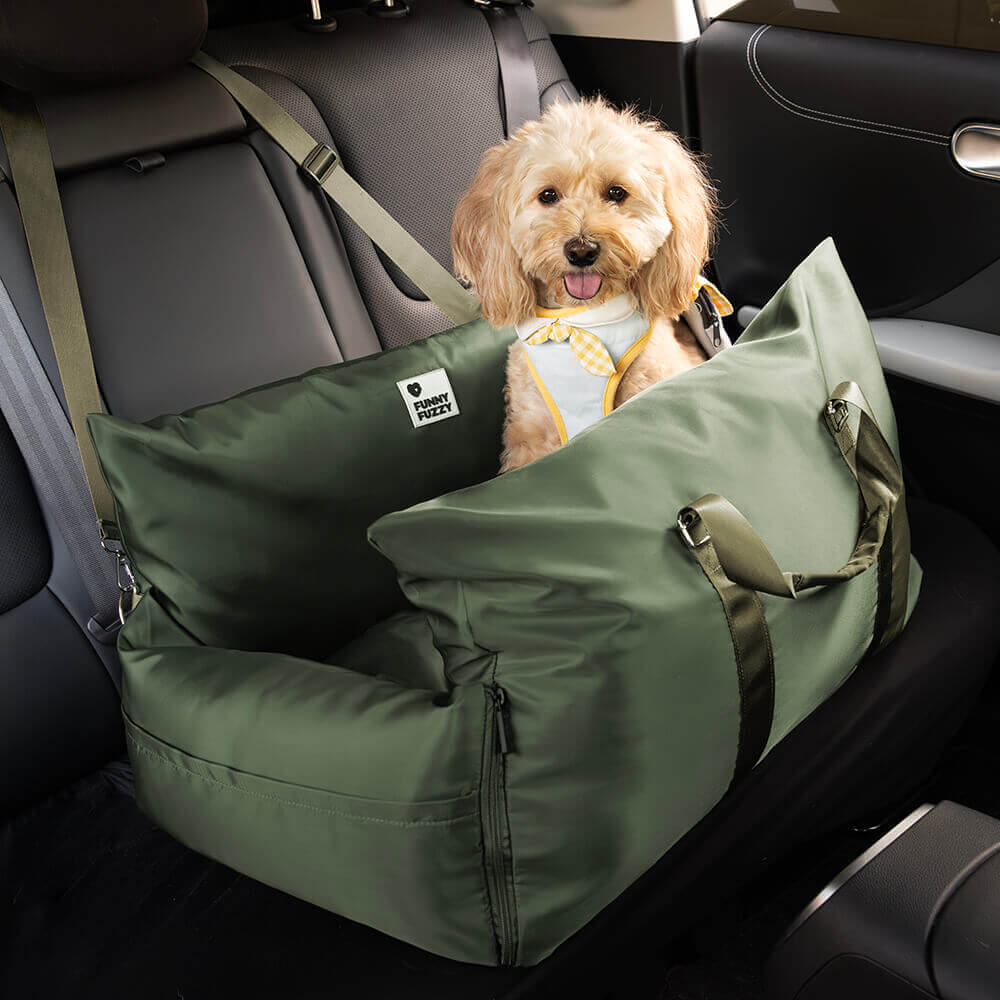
549 196
616 193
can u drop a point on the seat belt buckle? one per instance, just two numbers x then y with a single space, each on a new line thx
320 163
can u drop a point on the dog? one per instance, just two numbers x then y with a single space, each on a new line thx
589 216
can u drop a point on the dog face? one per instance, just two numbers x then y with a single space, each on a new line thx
579 206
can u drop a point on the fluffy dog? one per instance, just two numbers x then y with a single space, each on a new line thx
575 209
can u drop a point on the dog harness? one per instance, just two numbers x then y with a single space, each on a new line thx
579 355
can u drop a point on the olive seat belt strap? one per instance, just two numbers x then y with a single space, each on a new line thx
324 166
34 179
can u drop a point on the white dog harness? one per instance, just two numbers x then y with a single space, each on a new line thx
577 367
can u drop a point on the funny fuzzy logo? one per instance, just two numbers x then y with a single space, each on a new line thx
428 397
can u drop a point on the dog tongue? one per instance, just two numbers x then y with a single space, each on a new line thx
582 285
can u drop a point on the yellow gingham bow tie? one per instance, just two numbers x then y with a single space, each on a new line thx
589 350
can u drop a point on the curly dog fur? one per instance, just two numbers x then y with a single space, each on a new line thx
585 171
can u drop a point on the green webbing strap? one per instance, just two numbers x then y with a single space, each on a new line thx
324 166
739 565
751 649
37 193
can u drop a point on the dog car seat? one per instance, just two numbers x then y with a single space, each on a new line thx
89 875
585 674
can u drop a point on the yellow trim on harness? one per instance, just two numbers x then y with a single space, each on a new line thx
624 363
549 401
724 306
544 313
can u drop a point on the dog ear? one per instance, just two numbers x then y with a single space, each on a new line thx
665 283
481 246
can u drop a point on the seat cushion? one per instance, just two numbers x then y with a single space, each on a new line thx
105 905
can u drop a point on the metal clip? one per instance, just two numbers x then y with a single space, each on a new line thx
320 163
837 414
686 520
127 587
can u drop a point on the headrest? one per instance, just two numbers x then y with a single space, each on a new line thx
53 45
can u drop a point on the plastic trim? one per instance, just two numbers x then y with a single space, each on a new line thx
840 880
953 358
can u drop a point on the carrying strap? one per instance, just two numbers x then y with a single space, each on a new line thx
324 166
739 565
518 82
37 193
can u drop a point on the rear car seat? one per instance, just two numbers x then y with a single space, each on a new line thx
221 268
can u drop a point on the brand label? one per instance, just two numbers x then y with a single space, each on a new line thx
428 397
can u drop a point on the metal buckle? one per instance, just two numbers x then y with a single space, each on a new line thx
837 414
127 587
320 163
686 520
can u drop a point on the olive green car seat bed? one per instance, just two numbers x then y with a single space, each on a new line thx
470 710
579 656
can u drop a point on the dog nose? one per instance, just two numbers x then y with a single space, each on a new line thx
581 251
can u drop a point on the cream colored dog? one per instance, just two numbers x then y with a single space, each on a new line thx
576 208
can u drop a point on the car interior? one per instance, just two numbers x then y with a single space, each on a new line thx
208 264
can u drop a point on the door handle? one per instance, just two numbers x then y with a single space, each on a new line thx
976 148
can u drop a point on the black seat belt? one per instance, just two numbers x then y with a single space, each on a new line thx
518 82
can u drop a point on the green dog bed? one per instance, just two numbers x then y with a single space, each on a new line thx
580 656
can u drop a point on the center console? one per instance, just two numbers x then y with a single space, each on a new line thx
916 916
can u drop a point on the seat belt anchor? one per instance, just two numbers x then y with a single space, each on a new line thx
320 163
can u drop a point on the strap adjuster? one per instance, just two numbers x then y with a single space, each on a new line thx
320 163
686 520
837 414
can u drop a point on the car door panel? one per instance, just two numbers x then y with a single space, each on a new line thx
810 134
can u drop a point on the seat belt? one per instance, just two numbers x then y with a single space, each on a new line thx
45 439
63 474
34 178
323 165
518 82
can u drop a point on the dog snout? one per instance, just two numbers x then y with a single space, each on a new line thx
581 251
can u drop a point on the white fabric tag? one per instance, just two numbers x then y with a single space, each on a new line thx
428 397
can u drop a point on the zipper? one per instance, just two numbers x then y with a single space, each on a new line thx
710 318
497 858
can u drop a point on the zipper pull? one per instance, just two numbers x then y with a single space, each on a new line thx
505 735
710 318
